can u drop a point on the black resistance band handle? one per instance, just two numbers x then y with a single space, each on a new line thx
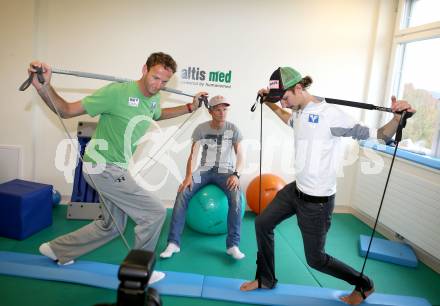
28 81
204 100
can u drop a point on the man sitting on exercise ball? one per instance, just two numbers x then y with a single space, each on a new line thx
216 138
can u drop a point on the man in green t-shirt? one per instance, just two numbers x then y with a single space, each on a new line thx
126 110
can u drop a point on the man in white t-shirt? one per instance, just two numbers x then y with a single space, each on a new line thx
318 127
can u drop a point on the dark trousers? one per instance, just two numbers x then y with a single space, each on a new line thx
314 221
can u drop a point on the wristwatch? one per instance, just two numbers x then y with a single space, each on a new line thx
236 174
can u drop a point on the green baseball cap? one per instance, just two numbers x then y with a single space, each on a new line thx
282 79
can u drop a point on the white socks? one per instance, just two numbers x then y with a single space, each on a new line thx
155 277
170 250
235 252
46 250
173 248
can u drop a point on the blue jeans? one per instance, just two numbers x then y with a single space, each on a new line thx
183 198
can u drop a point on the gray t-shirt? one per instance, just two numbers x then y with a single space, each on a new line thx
217 146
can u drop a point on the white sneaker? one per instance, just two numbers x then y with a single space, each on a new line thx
71 262
170 250
155 277
47 251
235 252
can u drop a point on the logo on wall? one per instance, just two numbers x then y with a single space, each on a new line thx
203 78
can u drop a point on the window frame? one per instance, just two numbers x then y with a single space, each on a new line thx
403 35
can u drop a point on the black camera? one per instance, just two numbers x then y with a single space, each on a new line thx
134 274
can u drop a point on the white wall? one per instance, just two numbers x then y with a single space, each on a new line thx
335 42
411 204
16 108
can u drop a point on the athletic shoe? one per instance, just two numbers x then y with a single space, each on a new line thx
170 250
235 252
47 251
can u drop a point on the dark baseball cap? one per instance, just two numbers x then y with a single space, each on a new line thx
282 79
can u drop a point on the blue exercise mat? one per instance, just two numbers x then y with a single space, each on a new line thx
91 273
220 288
187 284
389 251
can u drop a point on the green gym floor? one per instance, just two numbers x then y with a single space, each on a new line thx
206 255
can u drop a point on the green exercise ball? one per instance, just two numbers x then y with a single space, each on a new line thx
208 210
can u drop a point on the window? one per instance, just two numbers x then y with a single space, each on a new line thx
416 72
419 12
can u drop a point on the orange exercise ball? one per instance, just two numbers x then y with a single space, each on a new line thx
270 183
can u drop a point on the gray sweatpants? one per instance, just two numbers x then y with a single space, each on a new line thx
123 197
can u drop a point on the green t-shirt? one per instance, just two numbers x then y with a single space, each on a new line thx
126 115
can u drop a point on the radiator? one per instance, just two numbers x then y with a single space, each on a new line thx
10 163
411 206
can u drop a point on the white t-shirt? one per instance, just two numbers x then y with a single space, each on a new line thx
317 131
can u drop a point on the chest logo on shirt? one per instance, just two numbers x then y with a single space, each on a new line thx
313 118
153 105
134 102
